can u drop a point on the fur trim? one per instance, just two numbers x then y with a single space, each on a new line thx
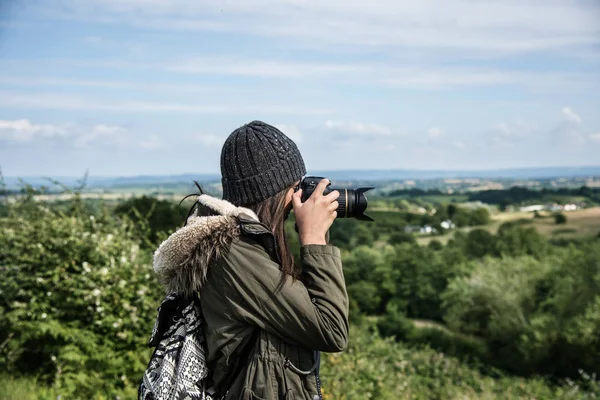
181 262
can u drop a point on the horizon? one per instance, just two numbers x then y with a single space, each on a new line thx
570 170
147 88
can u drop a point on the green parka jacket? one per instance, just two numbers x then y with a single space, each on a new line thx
263 336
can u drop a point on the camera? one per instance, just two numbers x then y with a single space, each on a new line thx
352 202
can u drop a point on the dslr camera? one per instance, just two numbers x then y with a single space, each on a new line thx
352 202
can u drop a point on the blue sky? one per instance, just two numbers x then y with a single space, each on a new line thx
154 87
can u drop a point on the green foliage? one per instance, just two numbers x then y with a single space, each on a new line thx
523 195
401 237
24 389
537 316
513 240
479 243
78 301
153 218
378 368
560 218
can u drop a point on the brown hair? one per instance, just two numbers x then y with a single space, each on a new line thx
271 212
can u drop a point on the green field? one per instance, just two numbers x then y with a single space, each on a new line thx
580 223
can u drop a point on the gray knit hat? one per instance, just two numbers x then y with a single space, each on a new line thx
257 162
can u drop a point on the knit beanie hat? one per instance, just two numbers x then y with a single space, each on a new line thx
257 162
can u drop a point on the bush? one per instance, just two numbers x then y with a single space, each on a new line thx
152 217
560 218
378 368
78 302
536 316
401 237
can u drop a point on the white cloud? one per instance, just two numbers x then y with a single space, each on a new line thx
435 132
568 132
100 135
353 128
51 101
595 137
571 116
514 130
22 130
433 77
292 132
259 67
506 134
483 27
209 139
459 145
37 81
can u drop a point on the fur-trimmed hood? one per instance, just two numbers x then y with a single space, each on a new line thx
181 262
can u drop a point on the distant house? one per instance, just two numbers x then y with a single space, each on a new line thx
570 207
554 207
412 228
428 230
423 230
536 207
448 224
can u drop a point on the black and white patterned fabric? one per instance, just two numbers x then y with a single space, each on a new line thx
177 369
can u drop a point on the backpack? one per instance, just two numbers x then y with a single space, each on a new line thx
177 368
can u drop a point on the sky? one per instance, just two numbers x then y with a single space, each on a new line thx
146 87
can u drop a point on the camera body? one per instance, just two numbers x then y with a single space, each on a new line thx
352 202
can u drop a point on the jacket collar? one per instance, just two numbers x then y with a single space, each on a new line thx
181 262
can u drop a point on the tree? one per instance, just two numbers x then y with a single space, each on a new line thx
560 218
479 243
451 210
480 216
363 236
401 237
160 216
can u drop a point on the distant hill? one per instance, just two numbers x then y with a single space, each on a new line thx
515 173
358 175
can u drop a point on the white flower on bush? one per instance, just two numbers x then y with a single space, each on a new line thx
92 218
109 237
134 251
123 259
104 271
142 291
86 266
39 280
99 309
44 316
96 292
48 294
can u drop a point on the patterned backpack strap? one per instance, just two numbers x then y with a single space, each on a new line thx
177 368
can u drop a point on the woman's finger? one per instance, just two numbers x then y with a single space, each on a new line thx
333 206
332 196
297 199
320 188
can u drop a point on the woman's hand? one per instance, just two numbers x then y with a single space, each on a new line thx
315 215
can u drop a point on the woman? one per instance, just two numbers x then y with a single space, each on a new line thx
266 318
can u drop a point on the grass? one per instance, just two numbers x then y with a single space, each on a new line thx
23 389
580 223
